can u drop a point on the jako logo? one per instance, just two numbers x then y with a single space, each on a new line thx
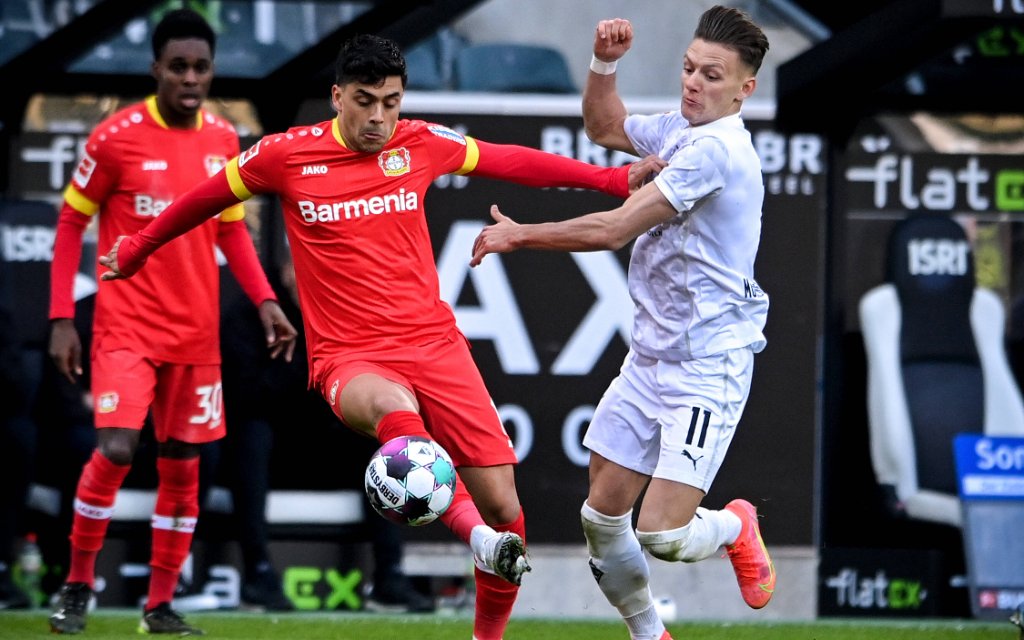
937 257
333 211
314 170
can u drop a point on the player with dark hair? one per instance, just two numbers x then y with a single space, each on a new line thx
384 349
665 423
155 339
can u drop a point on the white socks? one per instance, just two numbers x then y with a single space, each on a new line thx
699 539
621 571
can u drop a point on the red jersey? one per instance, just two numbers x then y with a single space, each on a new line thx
133 166
358 231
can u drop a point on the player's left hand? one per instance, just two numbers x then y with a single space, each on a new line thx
497 238
643 171
279 331
110 261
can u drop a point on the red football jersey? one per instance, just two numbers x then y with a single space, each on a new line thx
358 232
133 166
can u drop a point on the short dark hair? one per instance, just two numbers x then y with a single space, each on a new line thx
182 24
736 30
369 59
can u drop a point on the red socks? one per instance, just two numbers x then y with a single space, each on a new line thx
173 522
94 502
401 423
495 597
462 515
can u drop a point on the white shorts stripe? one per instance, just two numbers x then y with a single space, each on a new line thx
167 523
93 512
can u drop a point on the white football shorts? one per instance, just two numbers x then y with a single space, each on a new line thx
672 420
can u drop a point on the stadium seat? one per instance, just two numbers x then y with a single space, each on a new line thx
423 67
936 367
513 68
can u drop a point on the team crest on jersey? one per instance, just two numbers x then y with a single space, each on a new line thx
249 154
215 163
445 132
84 171
107 402
394 162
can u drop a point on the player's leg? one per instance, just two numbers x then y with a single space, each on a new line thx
698 424
122 386
616 557
498 542
623 440
460 414
188 411
378 402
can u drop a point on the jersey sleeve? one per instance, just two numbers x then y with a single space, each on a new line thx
94 177
257 169
67 252
646 132
450 151
694 172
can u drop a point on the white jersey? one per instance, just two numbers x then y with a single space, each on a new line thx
692 277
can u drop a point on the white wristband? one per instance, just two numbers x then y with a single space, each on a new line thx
601 67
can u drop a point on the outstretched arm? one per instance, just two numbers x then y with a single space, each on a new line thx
535 168
601 230
188 211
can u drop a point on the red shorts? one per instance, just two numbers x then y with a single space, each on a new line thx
186 400
454 402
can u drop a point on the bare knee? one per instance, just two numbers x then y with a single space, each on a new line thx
118 445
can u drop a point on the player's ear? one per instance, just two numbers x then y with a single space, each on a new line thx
747 88
336 93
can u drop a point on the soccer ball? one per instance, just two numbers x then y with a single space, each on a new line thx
410 480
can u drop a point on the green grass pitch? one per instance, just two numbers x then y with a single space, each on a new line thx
119 624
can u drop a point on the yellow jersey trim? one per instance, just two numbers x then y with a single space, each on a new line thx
472 157
154 113
79 202
235 180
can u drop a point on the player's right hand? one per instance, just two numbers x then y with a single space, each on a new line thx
66 348
612 39
110 261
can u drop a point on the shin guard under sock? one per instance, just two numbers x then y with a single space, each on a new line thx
173 523
94 506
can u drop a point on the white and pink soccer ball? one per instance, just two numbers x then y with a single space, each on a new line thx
410 480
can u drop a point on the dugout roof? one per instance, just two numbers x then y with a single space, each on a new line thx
38 54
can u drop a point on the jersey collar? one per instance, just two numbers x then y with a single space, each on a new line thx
336 131
154 113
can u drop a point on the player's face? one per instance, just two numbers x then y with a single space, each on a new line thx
183 75
715 82
367 113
